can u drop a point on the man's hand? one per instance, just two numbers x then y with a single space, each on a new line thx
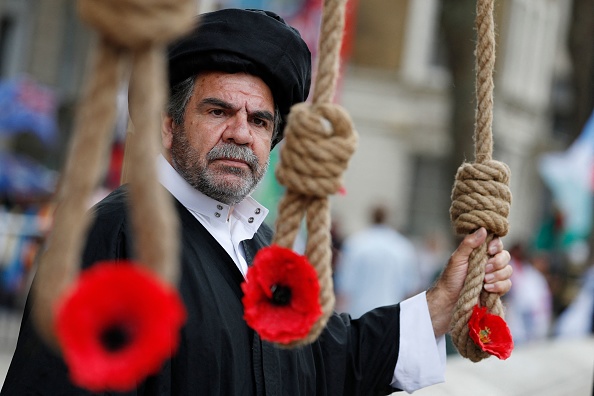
442 297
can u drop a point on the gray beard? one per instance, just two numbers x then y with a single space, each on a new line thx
211 182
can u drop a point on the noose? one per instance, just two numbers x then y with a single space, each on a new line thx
481 196
319 141
133 33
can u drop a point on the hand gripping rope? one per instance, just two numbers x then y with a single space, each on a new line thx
481 196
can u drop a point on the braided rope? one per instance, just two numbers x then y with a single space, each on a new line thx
481 196
139 30
319 141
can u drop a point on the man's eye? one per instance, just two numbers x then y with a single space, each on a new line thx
260 122
217 112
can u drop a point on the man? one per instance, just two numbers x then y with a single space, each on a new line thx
233 81
377 266
529 305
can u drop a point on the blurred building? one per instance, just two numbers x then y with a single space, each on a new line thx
397 91
45 40
395 86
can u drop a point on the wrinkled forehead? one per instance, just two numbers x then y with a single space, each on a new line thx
234 89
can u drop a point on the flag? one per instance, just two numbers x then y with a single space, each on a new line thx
570 177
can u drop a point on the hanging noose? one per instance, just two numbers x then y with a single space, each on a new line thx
319 141
133 30
481 196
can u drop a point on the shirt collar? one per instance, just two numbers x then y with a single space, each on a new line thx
249 211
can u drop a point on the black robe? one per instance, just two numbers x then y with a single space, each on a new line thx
218 353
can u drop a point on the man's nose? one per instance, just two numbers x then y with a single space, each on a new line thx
238 130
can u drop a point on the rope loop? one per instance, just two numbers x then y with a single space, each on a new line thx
481 198
136 24
139 28
319 142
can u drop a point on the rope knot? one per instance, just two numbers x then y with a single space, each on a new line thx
481 198
319 142
138 23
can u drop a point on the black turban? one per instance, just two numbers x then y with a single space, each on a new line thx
251 41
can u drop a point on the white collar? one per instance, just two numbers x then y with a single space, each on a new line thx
249 211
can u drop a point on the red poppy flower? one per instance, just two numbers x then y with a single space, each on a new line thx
490 333
281 295
117 326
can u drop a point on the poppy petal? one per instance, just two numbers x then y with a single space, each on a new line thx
490 333
277 268
117 325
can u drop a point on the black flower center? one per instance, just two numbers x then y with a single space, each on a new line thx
281 295
115 337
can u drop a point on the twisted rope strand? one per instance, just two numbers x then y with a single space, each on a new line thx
291 209
473 287
153 214
485 64
319 141
82 173
481 196
125 26
331 32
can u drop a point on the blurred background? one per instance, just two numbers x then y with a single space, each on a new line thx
407 80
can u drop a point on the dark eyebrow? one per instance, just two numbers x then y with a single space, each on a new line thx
263 114
215 102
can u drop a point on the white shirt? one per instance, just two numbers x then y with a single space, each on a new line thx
421 359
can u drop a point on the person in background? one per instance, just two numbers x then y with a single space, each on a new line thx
377 266
577 320
432 250
530 304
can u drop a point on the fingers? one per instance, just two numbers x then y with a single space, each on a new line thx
495 246
498 272
500 287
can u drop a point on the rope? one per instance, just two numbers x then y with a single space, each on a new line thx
319 141
135 30
481 196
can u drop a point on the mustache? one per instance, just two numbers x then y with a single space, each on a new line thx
235 152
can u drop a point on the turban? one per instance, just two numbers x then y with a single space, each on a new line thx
251 41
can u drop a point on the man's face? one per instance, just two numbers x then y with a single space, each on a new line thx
223 146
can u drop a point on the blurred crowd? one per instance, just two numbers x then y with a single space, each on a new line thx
23 228
25 222
552 295
29 136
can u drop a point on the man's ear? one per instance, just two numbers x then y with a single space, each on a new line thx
167 126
